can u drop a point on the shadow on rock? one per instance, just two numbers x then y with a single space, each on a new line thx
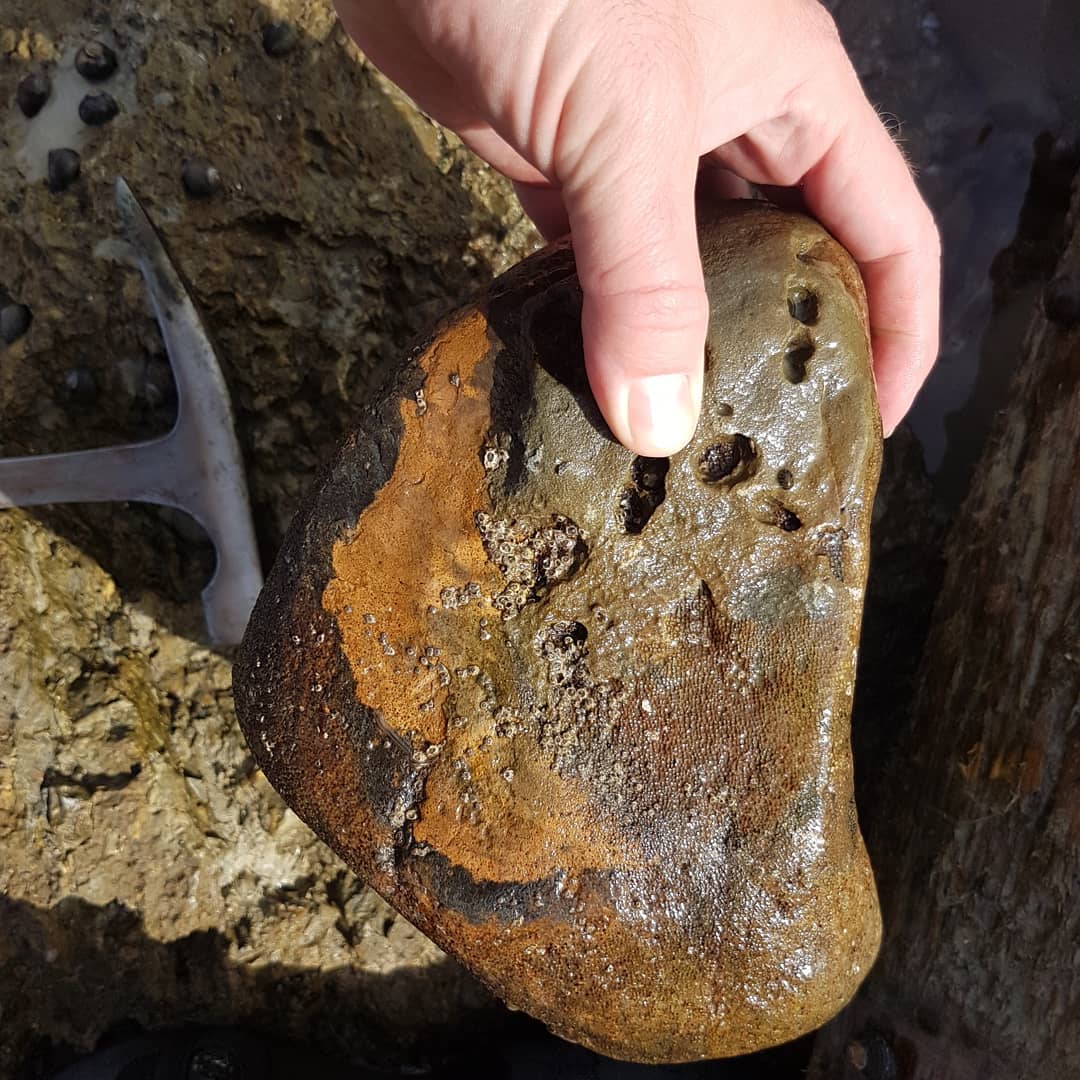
84 969
89 972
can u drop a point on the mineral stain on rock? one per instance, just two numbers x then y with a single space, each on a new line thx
584 717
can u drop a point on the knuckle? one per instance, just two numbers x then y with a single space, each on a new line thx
787 170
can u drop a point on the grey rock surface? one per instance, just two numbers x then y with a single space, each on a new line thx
148 870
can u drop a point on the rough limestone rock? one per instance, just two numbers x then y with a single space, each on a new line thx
584 717
148 873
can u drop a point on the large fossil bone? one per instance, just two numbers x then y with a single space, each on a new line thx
584 717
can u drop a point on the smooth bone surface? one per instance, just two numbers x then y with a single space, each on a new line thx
584 717
196 467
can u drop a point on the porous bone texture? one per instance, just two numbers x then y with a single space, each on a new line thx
584 717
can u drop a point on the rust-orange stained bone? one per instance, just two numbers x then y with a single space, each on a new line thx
584 717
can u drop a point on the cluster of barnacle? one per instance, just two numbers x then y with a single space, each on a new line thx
509 722
576 724
561 645
453 597
530 557
578 732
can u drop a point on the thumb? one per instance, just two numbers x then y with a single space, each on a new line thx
645 311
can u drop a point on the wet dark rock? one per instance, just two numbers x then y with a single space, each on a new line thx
871 1056
32 93
95 61
98 108
543 693
64 166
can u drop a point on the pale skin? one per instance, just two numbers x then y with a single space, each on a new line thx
609 115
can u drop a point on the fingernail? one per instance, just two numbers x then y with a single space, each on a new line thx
661 413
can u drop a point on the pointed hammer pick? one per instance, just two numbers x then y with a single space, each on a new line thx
196 467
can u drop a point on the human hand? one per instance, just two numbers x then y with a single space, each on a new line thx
603 112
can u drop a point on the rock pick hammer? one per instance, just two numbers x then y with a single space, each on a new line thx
196 467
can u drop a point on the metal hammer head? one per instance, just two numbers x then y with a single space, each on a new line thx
196 467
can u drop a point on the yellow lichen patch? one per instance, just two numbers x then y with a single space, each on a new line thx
417 538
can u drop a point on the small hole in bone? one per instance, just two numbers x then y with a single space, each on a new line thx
729 460
788 520
796 357
650 473
773 512
638 503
